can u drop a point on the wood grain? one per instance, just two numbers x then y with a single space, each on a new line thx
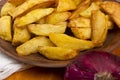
38 73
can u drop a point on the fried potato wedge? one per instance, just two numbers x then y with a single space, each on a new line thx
26 6
6 8
41 21
82 33
81 27
16 2
77 2
57 29
20 36
5 28
81 7
87 12
47 4
46 29
116 19
99 27
31 46
57 53
113 9
110 23
57 17
97 2
65 5
110 7
33 16
79 22
65 41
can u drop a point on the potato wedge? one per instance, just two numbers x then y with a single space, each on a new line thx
57 17
110 7
26 6
47 4
33 16
97 2
65 41
82 33
77 2
41 21
31 46
46 29
5 28
79 22
116 19
6 8
87 12
65 5
81 7
99 27
113 9
20 36
110 23
57 53
16 2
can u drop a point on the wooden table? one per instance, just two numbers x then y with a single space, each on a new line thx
38 73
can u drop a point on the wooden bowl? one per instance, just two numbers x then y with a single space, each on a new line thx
112 43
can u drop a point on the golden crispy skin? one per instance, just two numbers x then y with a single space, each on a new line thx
99 27
57 53
113 9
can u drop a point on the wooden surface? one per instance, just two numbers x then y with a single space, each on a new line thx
38 73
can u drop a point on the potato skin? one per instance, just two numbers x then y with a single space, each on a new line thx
26 6
20 36
6 8
57 17
33 16
57 53
65 5
87 12
31 46
80 22
112 9
46 29
99 27
5 28
82 33
65 41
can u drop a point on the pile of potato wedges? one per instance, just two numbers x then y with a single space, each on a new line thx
40 26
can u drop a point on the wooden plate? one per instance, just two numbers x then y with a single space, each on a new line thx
112 42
